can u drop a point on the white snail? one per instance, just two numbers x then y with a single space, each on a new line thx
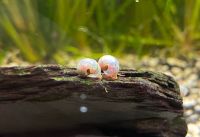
89 68
110 66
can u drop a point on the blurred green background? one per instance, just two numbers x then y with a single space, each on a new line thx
51 31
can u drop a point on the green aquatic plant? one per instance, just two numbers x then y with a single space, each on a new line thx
54 30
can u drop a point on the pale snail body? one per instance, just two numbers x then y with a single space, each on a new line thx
110 66
89 68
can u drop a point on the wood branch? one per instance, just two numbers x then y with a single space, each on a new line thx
53 100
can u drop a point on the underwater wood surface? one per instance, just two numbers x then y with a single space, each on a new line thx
53 100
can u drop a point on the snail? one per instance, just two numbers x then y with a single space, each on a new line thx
110 67
89 68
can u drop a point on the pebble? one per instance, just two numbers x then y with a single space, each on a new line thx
197 65
197 109
187 72
153 62
164 68
193 118
177 62
188 113
176 70
198 101
188 135
194 130
195 91
198 83
184 90
194 77
189 103
191 83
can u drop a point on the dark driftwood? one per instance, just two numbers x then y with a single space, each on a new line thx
46 101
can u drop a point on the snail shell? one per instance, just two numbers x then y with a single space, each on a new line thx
110 66
89 68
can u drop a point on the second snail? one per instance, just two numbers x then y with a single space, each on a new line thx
108 64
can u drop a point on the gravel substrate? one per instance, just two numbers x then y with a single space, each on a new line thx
187 74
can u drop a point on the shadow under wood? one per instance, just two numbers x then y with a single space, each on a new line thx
64 118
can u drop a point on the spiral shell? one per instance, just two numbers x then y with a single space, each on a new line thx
110 66
89 68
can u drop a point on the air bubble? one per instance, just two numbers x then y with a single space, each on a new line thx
83 109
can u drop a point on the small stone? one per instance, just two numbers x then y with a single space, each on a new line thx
184 90
194 97
198 83
197 109
197 65
187 72
176 70
164 68
188 135
198 100
188 113
193 77
194 130
191 83
195 91
177 62
153 62
188 103
193 118
179 77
